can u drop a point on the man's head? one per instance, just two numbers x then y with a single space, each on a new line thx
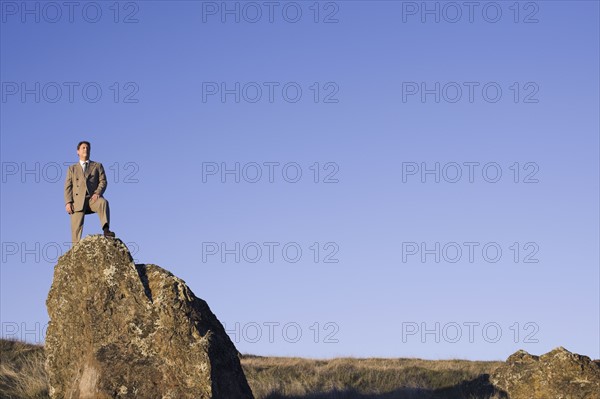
83 150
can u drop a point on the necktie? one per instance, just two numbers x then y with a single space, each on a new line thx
84 167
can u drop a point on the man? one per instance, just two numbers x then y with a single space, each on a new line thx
85 184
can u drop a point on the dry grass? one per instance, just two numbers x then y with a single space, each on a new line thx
273 377
22 376
22 372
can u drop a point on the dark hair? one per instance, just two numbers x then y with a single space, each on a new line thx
84 142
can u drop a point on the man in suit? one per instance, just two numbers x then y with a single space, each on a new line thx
85 184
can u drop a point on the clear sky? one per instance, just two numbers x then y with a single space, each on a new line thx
344 178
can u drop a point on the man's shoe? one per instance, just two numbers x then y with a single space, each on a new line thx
108 233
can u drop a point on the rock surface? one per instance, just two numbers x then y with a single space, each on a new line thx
558 374
121 330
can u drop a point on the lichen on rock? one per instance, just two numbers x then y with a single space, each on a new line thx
121 330
557 374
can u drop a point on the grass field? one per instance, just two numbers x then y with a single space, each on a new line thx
22 376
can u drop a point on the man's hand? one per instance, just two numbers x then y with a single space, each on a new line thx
94 198
69 208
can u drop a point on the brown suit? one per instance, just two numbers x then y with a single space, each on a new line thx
79 189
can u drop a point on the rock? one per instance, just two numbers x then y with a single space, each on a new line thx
558 374
121 330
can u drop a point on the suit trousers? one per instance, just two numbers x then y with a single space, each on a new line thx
100 206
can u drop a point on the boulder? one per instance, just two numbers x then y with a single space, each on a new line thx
558 374
121 330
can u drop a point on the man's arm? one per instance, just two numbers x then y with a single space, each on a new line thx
101 181
69 187
69 192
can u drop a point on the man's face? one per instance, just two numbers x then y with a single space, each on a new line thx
84 152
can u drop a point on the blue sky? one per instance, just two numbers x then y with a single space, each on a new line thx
361 98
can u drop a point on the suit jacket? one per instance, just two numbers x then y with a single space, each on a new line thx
77 186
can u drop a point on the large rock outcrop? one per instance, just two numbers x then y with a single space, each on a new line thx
121 330
558 374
